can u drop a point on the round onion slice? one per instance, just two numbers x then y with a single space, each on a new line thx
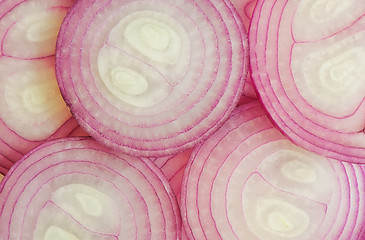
308 64
151 78
78 189
32 109
248 181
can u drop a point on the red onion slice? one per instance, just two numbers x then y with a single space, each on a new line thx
248 181
307 59
78 189
151 78
32 109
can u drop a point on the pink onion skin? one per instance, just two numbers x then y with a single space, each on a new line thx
245 9
5 164
224 173
78 132
31 57
173 124
63 164
323 119
173 168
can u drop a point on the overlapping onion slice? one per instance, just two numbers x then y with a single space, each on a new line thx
75 188
308 64
32 109
248 181
151 78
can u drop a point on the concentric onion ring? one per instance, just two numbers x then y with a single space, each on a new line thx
307 60
75 188
151 78
248 181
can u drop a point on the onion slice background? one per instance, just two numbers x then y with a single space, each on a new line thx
248 181
145 96
79 189
308 66
32 109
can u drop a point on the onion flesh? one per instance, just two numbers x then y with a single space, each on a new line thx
248 181
32 109
307 60
151 78
75 188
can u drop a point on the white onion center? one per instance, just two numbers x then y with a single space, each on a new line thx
325 10
43 27
128 81
154 39
281 218
140 49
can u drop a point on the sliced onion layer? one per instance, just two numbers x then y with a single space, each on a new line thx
75 188
248 181
32 109
307 60
151 78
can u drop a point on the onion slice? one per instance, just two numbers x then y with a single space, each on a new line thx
75 188
32 109
248 181
308 64
151 78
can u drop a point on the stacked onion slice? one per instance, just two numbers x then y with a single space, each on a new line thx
308 64
78 189
248 181
151 78
32 109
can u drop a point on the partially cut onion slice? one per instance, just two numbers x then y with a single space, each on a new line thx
32 109
308 64
151 78
75 188
248 181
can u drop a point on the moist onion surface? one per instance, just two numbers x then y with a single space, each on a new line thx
151 78
248 181
75 188
307 60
